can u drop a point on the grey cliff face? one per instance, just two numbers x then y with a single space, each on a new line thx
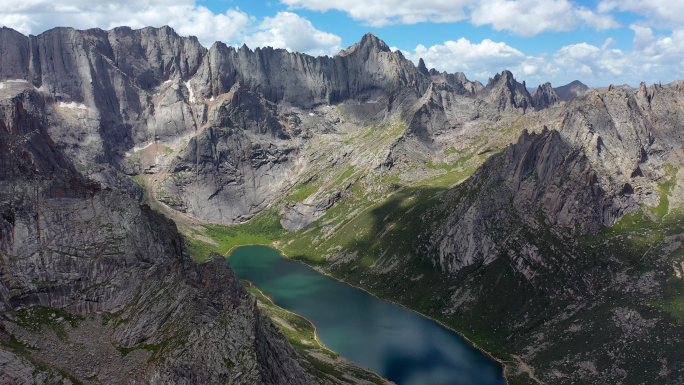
459 82
91 269
117 100
365 71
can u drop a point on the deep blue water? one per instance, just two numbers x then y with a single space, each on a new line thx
394 342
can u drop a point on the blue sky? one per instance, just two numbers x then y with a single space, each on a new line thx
408 36
599 42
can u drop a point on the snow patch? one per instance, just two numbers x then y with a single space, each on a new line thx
192 94
312 114
211 99
73 105
2 85
167 82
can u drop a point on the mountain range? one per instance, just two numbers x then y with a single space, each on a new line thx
545 227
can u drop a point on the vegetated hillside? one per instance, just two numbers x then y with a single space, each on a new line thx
96 288
544 251
544 226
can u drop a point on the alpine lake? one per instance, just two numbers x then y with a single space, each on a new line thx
394 342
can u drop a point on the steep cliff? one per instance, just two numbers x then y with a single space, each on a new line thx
121 101
96 288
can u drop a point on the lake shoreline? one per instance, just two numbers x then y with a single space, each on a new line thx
310 351
295 313
274 245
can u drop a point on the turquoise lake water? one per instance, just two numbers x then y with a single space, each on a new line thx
394 342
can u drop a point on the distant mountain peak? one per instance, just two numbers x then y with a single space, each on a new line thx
507 92
571 90
373 41
369 42
422 68
544 96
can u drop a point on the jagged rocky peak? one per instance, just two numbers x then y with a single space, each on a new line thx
506 79
505 91
422 68
648 93
153 55
544 96
458 81
369 42
495 79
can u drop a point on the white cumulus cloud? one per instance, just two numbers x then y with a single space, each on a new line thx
379 13
653 58
531 17
659 13
522 17
294 33
187 18
21 23
478 61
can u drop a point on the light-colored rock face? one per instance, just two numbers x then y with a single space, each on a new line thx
506 93
218 129
141 101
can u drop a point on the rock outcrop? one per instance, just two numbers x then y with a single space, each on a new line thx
506 93
544 96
